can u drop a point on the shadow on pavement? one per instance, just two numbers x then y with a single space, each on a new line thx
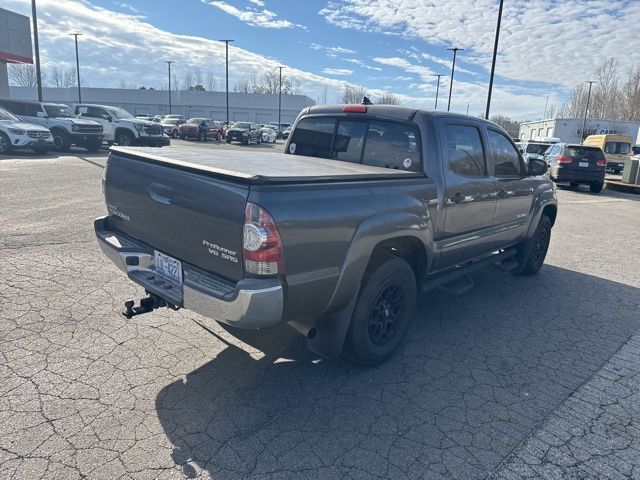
476 376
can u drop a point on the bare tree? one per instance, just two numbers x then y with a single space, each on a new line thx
324 94
198 78
353 93
511 126
630 93
22 75
188 80
389 99
212 82
63 78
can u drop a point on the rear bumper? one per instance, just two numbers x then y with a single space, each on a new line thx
615 165
575 175
250 303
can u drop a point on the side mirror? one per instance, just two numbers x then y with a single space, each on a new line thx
537 167
41 115
107 117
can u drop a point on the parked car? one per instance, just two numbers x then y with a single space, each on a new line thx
145 117
286 133
176 116
244 132
122 128
171 126
635 150
400 201
577 164
190 129
65 128
534 148
268 135
14 134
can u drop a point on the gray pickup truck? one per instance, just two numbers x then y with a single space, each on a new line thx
369 206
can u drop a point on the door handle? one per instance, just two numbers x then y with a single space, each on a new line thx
457 198
160 193
502 194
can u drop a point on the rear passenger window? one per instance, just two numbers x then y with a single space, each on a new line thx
392 145
505 157
313 136
349 140
465 154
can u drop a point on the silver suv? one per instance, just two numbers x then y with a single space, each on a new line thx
65 128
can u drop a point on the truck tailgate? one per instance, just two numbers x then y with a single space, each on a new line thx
194 218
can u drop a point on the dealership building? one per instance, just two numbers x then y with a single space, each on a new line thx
250 107
570 129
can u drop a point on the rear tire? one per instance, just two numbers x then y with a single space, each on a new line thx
174 134
537 248
5 144
383 312
596 187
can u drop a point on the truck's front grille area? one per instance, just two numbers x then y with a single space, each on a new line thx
88 129
153 129
39 134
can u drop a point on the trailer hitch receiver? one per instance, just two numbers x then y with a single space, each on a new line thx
147 305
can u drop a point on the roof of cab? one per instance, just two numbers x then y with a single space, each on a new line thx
388 111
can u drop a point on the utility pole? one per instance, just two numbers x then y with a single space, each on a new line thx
169 62
76 35
546 104
493 62
280 97
455 50
584 121
36 46
227 72
437 91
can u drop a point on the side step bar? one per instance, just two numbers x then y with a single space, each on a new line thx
453 278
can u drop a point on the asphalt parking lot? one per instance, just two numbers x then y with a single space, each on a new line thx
520 377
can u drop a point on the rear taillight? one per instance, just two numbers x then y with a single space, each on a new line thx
565 159
261 245
602 162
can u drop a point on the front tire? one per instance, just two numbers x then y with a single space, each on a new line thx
61 141
124 139
5 144
596 187
174 134
538 248
384 310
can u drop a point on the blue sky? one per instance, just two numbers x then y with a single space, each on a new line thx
395 46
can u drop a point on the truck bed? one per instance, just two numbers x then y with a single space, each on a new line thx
259 166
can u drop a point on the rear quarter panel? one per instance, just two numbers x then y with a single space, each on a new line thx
329 230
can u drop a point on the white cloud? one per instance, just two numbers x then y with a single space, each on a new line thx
127 7
362 64
337 71
332 51
425 73
259 3
256 18
554 41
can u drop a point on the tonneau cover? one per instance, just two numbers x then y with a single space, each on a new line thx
259 166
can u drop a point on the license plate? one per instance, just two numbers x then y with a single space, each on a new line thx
583 164
168 267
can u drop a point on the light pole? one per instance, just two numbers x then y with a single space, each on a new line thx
76 35
437 90
169 62
493 62
584 121
280 96
226 42
36 47
455 50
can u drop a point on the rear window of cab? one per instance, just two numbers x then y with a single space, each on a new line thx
379 143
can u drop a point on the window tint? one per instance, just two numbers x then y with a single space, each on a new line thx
537 148
392 145
617 147
91 112
349 140
505 157
579 152
313 136
464 151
